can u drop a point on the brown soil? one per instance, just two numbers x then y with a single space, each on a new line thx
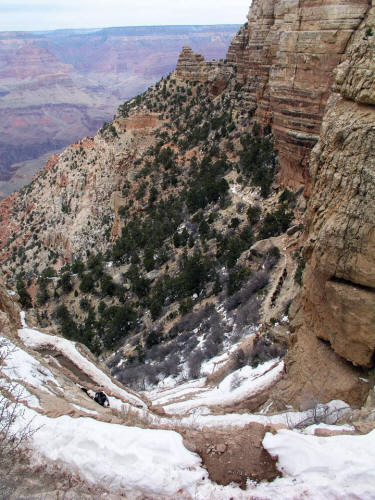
68 365
232 455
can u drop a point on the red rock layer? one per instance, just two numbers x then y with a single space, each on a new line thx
285 59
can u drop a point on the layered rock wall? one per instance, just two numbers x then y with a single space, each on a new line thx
193 68
339 281
285 58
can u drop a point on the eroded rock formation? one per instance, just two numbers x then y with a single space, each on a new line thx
193 68
339 283
9 315
285 58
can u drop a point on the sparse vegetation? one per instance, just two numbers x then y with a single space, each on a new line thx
184 234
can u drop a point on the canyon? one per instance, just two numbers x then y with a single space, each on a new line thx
214 245
56 87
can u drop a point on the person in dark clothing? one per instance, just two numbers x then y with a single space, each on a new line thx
100 397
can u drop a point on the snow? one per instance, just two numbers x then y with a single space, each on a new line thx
335 428
209 366
23 319
20 366
329 412
160 397
36 339
250 380
154 463
128 459
20 393
321 467
81 408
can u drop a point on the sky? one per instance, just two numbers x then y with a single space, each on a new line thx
40 15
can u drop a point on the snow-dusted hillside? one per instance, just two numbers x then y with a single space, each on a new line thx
138 446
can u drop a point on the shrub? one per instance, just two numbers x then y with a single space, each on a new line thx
253 214
255 283
78 267
108 286
186 306
195 363
42 296
299 271
153 338
236 278
265 349
15 430
248 313
87 284
275 223
288 198
68 327
119 321
65 283
25 299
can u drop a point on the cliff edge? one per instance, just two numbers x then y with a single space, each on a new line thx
285 57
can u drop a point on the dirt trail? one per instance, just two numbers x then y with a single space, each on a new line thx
282 287
232 455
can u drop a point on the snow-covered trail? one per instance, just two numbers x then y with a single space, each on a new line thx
197 397
153 462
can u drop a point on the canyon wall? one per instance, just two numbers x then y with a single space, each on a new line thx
339 282
285 58
338 298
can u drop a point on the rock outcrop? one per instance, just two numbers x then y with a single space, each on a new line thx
192 67
9 315
285 57
339 282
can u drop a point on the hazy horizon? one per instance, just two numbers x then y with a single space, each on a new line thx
52 15
140 26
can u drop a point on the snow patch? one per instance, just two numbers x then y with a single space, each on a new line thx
321 467
128 459
20 366
250 381
36 339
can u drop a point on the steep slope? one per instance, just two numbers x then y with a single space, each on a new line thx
285 58
182 267
77 448
56 87
145 223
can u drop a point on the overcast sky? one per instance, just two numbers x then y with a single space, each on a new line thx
55 14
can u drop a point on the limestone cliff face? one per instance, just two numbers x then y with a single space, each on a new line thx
339 281
285 58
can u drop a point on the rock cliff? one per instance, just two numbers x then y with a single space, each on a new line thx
339 284
285 57
338 296
192 67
